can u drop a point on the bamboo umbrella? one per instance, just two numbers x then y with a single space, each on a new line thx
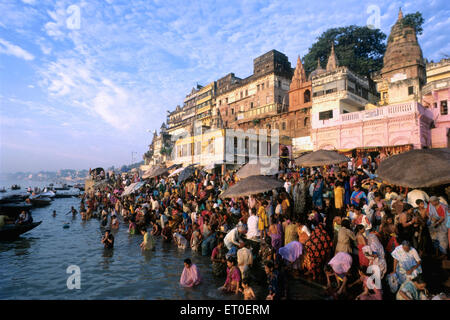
251 185
320 158
417 168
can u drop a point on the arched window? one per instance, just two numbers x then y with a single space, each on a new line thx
305 122
307 96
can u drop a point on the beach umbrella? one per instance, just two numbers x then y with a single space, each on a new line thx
320 158
176 172
154 172
251 185
417 168
186 173
158 172
256 169
132 188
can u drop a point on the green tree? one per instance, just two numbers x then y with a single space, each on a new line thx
414 20
359 48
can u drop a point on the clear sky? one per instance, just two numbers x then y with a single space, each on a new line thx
81 82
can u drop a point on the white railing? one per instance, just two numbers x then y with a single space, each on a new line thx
389 111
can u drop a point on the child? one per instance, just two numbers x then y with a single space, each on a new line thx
247 291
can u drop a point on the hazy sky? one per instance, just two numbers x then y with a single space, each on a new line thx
79 93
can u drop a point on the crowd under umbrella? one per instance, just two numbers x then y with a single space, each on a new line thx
250 186
419 168
256 169
321 158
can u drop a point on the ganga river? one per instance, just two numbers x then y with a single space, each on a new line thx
35 265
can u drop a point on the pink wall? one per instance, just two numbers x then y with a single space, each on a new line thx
393 125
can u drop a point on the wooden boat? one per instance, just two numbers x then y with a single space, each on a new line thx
14 208
13 231
15 187
39 201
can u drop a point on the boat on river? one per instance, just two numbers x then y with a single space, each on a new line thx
14 208
13 231
39 200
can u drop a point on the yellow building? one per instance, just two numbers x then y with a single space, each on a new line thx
205 104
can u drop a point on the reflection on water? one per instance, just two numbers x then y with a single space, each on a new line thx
34 266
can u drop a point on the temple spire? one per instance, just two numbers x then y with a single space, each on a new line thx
300 73
332 60
400 14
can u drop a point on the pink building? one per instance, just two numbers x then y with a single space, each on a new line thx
436 96
398 120
393 125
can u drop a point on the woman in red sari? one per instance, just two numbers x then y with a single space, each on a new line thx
318 248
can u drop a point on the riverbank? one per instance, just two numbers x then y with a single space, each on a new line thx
34 266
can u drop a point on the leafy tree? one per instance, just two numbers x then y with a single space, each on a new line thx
359 48
414 20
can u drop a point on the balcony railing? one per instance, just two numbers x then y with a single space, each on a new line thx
389 111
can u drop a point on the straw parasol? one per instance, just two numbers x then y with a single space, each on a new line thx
256 169
320 158
154 172
251 185
177 171
417 168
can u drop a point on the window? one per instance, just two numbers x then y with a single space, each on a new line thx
325 115
262 86
410 90
435 105
226 100
251 105
305 122
307 96
246 92
232 111
280 100
257 87
444 108
279 83
283 126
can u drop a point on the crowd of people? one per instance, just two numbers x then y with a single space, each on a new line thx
335 225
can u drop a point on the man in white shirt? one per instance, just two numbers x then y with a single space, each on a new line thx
244 259
252 223
233 237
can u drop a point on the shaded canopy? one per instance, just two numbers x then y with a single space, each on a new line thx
98 170
251 185
320 158
417 168
256 169
186 173
154 172
132 188
177 171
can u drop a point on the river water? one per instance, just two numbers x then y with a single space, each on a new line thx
34 266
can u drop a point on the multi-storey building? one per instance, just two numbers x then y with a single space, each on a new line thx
436 96
250 102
